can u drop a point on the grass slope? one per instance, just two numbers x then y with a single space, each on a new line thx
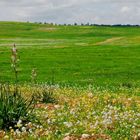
72 54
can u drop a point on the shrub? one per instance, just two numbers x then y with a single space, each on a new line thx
48 96
13 106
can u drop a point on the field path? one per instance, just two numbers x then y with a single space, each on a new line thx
110 40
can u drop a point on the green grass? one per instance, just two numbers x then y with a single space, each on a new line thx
72 54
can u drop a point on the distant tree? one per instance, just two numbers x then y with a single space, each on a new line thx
87 24
51 23
75 24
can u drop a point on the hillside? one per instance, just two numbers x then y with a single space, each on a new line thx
81 55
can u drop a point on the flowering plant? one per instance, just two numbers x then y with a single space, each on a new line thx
15 62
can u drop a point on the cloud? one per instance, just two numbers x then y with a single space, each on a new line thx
70 11
125 9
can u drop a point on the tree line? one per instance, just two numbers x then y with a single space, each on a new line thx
89 24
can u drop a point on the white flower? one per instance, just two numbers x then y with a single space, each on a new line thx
49 121
85 136
138 114
93 113
41 126
78 122
19 123
67 134
72 112
68 124
57 106
59 114
14 50
96 123
18 132
30 130
23 129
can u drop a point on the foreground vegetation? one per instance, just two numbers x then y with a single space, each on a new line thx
79 114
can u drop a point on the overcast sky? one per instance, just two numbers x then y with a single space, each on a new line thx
70 11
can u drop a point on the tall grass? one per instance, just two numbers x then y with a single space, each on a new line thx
13 106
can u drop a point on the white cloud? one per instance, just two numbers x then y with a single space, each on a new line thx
70 11
125 9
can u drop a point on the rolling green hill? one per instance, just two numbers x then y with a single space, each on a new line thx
72 54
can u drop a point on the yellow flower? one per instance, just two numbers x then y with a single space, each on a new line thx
6 137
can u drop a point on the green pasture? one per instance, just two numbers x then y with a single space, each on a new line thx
80 55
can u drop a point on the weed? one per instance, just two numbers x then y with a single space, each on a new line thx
13 106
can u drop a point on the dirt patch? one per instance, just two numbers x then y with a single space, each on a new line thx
110 40
84 137
47 106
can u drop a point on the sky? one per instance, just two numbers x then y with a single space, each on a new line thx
71 11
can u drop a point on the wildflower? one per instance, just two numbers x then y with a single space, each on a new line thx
72 112
138 114
23 129
33 75
19 123
59 114
139 135
18 132
30 130
67 134
12 131
49 121
14 54
10 127
14 62
29 125
14 50
96 123
68 124
84 136
57 106
93 113
6 137
90 94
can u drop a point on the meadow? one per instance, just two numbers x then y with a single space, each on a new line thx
79 55
69 82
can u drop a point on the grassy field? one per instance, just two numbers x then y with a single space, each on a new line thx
81 55
100 67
